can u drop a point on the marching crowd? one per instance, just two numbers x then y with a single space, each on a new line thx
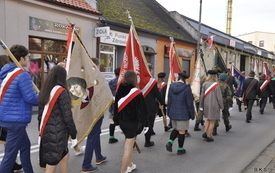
133 111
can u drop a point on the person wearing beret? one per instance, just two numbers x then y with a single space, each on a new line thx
180 109
227 96
211 102
249 93
162 86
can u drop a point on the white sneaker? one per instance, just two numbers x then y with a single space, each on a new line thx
133 167
82 151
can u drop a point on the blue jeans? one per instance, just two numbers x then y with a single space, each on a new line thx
93 144
17 140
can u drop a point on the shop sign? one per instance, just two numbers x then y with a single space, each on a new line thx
102 31
37 24
115 38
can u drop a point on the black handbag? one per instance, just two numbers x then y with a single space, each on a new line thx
3 134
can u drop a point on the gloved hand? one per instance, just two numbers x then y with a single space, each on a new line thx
240 98
201 108
74 142
145 130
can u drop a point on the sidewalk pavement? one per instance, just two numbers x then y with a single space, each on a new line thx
265 162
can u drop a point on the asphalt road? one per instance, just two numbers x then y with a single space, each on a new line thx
231 152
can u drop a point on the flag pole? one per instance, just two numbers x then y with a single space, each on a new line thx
7 50
199 30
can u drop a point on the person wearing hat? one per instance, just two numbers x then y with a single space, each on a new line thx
249 93
227 96
151 105
211 102
180 110
162 86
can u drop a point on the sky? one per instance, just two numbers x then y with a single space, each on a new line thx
247 15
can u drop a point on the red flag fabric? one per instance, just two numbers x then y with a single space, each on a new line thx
175 65
265 69
135 60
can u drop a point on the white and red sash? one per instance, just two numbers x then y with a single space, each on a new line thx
210 89
264 85
128 98
55 93
8 80
163 84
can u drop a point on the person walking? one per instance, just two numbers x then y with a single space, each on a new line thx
211 102
131 115
227 98
93 143
150 100
265 91
249 93
55 121
4 59
17 98
113 85
162 86
180 110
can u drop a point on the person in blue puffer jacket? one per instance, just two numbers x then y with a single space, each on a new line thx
180 109
17 96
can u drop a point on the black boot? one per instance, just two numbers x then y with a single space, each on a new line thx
196 128
215 131
228 127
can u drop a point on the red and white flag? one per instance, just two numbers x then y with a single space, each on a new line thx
265 69
69 45
210 42
134 60
175 67
174 62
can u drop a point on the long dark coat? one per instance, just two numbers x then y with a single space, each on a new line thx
58 129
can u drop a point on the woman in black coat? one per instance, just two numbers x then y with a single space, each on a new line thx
131 115
56 125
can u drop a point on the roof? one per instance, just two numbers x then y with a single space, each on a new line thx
148 15
81 5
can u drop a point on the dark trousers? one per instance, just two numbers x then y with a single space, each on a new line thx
263 102
150 131
250 103
17 140
239 103
93 144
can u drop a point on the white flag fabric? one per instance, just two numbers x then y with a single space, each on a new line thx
199 74
89 91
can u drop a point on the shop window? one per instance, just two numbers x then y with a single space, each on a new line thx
44 54
106 58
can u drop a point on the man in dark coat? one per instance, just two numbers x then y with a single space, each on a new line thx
162 86
249 93
232 84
